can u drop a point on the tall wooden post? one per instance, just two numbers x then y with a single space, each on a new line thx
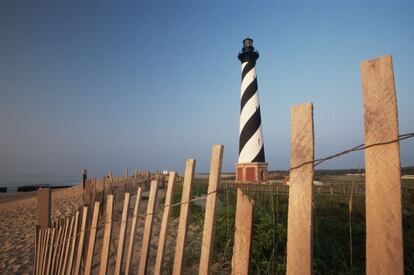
81 241
210 213
299 237
44 200
184 212
107 235
164 224
132 233
240 261
121 239
92 239
384 242
146 239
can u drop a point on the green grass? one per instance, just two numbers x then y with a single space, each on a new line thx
335 227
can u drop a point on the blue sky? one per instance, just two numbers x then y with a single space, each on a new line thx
113 84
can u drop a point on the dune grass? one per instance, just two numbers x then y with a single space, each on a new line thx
338 233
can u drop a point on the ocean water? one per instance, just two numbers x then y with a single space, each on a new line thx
14 181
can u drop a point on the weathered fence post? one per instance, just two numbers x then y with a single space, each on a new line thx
146 239
73 241
46 250
93 190
61 245
133 229
67 244
107 235
240 261
55 258
299 237
92 239
210 213
111 182
36 250
184 211
81 241
126 180
44 200
134 186
164 224
384 243
50 248
102 195
121 240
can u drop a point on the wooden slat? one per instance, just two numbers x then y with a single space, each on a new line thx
121 240
91 206
81 241
67 245
43 250
87 193
142 269
44 200
61 233
107 235
111 182
50 253
36 249
73 244
299 237
47 250
133 229
56 245
185 209
62 245
102 196
40 247
135 178
210 213
93 195
164 224
92 235
384 242
243 233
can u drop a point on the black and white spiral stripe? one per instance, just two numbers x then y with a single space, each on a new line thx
251 147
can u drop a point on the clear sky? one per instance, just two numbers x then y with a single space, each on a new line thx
113 84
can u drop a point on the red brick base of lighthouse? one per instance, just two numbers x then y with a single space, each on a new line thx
253 172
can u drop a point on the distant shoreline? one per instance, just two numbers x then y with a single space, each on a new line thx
24 183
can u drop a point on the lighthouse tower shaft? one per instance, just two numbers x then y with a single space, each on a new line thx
251 166
251 147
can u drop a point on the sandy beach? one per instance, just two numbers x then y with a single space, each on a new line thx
18 216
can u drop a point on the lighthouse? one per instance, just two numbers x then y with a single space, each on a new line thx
251 166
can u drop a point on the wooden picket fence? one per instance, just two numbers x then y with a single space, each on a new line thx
68 246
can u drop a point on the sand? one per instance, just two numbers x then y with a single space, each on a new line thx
18 216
